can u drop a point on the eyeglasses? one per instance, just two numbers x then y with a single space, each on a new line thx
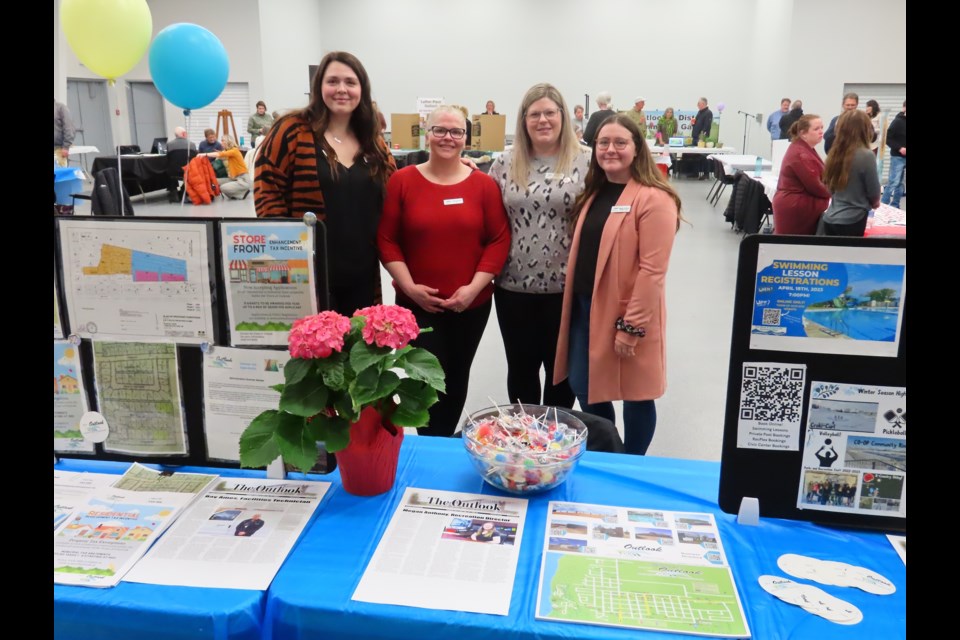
549 114
619 144
439 132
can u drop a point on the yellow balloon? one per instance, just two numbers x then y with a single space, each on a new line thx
108 36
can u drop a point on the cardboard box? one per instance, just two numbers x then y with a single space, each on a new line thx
405 130
489 132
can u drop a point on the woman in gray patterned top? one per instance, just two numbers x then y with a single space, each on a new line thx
540 178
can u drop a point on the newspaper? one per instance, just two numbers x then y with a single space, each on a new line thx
445 550
113 527
638 568
235 536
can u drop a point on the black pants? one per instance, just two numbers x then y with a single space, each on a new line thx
852 229
529 324
454 340
348 298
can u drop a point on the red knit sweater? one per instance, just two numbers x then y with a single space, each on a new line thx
444 233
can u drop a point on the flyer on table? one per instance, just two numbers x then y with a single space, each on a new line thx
71 488
269 279
69 400
235 536
638 568
829 299
855 450
447 550
237 387
147 281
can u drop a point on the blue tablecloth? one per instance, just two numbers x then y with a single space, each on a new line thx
310 597
67 180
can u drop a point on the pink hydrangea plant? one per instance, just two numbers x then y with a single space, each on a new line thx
388 326
318 336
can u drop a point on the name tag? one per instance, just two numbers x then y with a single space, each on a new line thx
623 208
450 201
553 176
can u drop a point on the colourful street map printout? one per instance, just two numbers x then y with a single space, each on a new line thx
638 568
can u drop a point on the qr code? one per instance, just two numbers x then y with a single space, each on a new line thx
771 393
771 317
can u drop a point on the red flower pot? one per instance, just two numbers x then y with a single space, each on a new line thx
368 465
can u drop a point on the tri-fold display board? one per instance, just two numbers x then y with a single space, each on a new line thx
175 330
816 415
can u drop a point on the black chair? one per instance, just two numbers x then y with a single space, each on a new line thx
128 148
177 159
722 180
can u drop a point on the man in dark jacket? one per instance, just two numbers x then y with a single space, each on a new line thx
850 102
796 110
701 126
602 113
897 141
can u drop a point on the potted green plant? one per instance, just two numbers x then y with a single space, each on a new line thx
342 386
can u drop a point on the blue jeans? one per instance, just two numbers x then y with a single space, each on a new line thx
639 416
894 189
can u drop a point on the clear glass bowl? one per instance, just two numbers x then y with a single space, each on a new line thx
524 472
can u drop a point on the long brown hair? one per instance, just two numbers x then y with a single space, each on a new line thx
642 170
363 120
853 131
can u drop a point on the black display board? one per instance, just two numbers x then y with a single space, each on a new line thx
189 356
774 476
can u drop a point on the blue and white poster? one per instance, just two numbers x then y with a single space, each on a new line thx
839 300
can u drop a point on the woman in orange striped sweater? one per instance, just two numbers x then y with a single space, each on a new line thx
330 159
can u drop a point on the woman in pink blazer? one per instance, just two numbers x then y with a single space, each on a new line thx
612 342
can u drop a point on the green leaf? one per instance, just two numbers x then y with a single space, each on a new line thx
343 403
420 364
334 431
305 398
372 385
296 369
332 372
257 446
297 446
415 398
278 387
363 356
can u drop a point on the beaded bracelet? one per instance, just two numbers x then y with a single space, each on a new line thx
629 328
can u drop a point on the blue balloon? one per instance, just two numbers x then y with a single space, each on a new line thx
189 65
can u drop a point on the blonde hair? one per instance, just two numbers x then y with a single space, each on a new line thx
523 146
448 109
228 142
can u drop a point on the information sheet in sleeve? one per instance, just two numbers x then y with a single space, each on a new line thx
270 282
237 387
235 536
447 550
69 400
57 326
138 388
638 568
137 281
105 535
855 451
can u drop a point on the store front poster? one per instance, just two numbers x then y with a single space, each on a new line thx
829 299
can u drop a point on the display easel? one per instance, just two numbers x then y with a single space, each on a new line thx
773 476
224 116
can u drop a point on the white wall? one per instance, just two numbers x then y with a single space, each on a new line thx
290 43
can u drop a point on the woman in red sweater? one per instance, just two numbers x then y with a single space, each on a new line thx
443 236
801 195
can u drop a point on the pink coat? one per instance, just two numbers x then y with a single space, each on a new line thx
629 282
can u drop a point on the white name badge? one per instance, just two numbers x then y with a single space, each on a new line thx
553 176
623 208
450 201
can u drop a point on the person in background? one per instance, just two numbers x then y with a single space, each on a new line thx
180 141
604 111
636 114
63 133
873 111
237 183
443 237
850 102
210 142
540 178
666 127
466 116
773 120
578 121
851 175
795 113
897 141
490 109
612 342
259 123
330 159
801 195
702 122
